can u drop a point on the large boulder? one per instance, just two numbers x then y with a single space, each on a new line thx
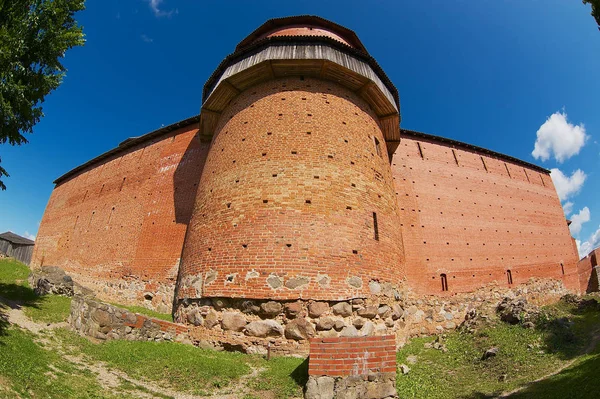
316 309
293 309
233 321
343 309
299 329
368 312
517 310
270 309
264 328
51 280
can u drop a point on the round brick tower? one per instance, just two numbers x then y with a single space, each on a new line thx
296 199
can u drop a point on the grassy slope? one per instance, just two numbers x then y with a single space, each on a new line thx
27 366
14 286
460 372
179 367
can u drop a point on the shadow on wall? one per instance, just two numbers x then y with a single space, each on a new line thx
186 180
594 278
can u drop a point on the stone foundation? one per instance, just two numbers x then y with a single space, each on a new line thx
251 325
105 322
285 327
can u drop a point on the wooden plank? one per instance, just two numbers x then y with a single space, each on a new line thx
251 76
337 73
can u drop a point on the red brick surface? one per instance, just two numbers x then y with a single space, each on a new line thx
585 271
477 219
346 356
289 189
304 31
125 217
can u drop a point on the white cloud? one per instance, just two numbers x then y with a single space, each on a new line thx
146 38
586 247
568 208
155 7
30 236
578 219
558 137
567 186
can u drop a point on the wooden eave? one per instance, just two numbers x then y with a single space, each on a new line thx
316 59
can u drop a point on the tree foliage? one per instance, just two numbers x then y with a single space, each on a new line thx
34 36
595 10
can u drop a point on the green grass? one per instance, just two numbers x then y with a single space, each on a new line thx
579 381
52 309
284 376
13 281
26 367
27 370
180 367
14 286
146 311
460 373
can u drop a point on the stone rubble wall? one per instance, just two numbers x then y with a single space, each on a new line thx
286 327
105 322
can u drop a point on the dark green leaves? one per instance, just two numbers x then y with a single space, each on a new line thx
34 36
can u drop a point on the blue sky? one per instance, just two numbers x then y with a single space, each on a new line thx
498 74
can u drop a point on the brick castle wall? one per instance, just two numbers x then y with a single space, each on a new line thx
474 232
296 199
473 218
118 226
345 356
588 278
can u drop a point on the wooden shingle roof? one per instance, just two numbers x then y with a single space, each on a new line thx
15 238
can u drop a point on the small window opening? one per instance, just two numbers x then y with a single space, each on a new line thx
420 150
509 276
526 175
484 165
507 171
562 268
122 184
444 282
377 146
375 227
542 179
455 158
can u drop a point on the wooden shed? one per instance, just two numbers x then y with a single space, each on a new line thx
17 247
